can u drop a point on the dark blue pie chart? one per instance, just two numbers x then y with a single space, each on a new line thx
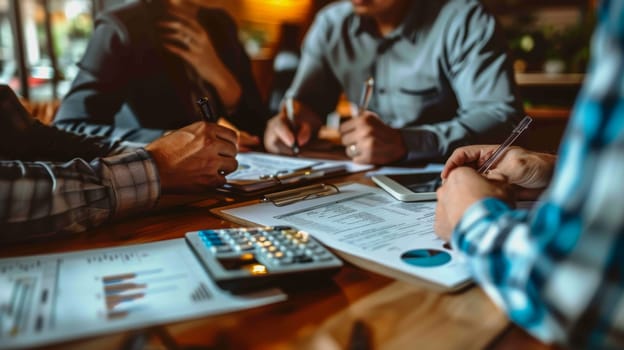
426 257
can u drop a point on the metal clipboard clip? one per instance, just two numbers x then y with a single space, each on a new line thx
299 194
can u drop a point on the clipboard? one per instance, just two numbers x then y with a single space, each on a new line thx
286 180
279 199
260 173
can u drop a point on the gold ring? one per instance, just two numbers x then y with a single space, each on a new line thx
352 150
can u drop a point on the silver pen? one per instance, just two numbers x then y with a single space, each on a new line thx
367 92
289 105
523 125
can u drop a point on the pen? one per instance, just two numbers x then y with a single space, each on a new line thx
279 173
298 194
206 110
210 117
367 92
289 104
523 125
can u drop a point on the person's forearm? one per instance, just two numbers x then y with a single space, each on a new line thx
539 268
112 132
43 198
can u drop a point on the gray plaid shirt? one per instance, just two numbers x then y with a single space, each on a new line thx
40 198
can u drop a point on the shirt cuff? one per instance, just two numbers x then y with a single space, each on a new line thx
473 225
421 144
133 179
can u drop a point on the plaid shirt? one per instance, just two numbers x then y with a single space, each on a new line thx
39 198
558 270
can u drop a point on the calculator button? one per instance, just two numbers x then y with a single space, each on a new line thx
286 261
303 259
246 247
224 249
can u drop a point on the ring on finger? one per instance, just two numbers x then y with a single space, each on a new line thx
221 172
352 150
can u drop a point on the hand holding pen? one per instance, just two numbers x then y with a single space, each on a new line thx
519 129
367 92
529 171
211 118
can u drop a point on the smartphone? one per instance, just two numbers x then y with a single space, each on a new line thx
410 187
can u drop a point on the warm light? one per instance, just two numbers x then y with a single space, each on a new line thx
258 269
302 236
247 256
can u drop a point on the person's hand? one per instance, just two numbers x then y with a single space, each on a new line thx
198 51
194 158
462 188
279 137
369 140
246 141
529 171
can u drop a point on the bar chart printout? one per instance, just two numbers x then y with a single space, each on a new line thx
56 297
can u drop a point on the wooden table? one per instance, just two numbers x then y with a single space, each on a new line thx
389 314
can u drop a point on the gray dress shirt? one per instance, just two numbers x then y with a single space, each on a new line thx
443 76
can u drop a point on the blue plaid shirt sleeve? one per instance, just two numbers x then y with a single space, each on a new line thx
558 270
42 198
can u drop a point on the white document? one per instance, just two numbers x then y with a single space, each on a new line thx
368 223
50 298
254 165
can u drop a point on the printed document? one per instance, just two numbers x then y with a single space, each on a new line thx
368 223
50 298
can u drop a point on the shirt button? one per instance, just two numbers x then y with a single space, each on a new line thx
382 90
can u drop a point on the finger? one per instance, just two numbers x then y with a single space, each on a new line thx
177 28
225 134
226 149
173 26
282 148
283 131
248 140
228 165
178 51
461 157
178 38
305 134
186 20
347 126
349 134
495 175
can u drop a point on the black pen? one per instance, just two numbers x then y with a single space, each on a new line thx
210 117
206 110
289 105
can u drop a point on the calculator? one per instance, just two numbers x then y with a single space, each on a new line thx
242 259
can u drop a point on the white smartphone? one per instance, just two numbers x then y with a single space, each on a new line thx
410 187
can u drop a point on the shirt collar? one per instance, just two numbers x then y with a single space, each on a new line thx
408 29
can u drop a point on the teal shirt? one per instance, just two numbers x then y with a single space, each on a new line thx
443 76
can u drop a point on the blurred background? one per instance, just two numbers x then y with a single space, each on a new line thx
41 41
